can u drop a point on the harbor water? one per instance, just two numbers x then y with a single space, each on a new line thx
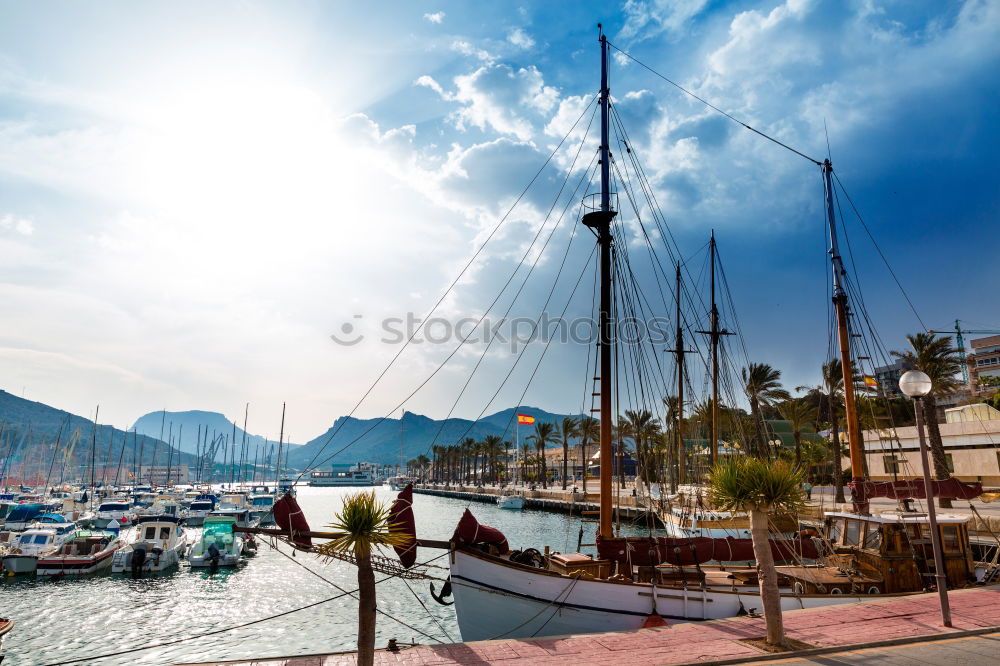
59 620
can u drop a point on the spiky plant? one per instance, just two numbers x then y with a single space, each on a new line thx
759 486
365 525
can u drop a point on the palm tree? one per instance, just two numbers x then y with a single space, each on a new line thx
762 384
798 413
525 458
935 356
643 429
364 523
589 430
567 431
543 436
759 486
423 464
467 448
492 447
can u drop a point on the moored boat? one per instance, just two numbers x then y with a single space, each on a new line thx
160 543
219 545
22 553
88 552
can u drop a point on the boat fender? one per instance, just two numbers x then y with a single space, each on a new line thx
654 621
445 592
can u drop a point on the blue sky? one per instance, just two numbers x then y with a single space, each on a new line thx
194 197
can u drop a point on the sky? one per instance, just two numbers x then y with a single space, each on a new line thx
194 197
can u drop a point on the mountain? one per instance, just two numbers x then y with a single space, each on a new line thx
370 440
185 428
30 430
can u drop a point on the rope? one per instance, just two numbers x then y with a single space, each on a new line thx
712 106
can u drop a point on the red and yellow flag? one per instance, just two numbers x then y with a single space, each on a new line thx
870 381
524 419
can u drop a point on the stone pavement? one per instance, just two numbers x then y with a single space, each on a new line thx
983 649
852 625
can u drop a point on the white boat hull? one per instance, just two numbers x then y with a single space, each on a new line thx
152 563
20 564
511 503
74 565
497 600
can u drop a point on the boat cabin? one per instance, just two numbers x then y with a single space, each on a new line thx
895 546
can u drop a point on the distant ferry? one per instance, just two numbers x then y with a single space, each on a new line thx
354 478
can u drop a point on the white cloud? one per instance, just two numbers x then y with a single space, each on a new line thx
429 82
20 225
465 48
520 39
436 17
647 18
507 100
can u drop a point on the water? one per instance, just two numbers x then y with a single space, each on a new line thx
60 620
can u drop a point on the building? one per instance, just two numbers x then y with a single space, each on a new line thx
157 475
888 376
971 438
984 363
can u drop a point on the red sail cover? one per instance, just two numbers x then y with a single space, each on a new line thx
647 551
290 519
469 532
401 516
952 488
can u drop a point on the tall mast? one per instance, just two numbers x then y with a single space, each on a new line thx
844 337
714 333
600 222
679 354
281 439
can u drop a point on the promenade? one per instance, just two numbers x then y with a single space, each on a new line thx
844 630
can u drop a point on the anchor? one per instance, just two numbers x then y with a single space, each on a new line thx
445 592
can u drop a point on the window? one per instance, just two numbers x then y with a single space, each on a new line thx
852 533
950 461
891 464
150 532
873 537
41 538
949 538
836 527
164 532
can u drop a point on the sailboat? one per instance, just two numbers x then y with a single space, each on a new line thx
644 581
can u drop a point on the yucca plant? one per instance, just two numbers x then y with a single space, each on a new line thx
757 486
365 525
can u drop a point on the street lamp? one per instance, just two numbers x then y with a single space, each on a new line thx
915 385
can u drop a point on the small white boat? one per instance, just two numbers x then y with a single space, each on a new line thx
198 511
113 509
219 545
262 508
88 552
397 483
160 543
22 553
511 502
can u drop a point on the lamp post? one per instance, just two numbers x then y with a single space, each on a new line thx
916 385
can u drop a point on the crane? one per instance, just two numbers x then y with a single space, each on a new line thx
960 343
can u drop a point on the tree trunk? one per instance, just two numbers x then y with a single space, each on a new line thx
797 436
565 457
544 473
761 446
937 446
838 477
768 578
583 455
366 611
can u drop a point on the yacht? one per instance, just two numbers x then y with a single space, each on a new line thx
115 509
261 508
23 515
199 509
513 502
219 545
160 543
361 477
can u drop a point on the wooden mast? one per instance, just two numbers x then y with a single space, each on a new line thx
844 338
600 222
714 334
679 412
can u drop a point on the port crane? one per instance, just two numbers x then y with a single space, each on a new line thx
960 342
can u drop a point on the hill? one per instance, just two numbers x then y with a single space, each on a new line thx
370 440
31 429
187 426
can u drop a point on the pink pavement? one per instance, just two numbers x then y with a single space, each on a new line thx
847 624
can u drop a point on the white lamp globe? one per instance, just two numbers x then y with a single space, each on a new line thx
915 384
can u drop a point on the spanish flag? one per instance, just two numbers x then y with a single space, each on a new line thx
524 419
870 381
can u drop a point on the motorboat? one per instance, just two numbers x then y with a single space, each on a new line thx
261 508
164 506
199 509
23 515
219 545
119 510
160 543
23 550
88 552
511 502
397 483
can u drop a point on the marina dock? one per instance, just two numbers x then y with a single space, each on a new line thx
909 624
549 499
